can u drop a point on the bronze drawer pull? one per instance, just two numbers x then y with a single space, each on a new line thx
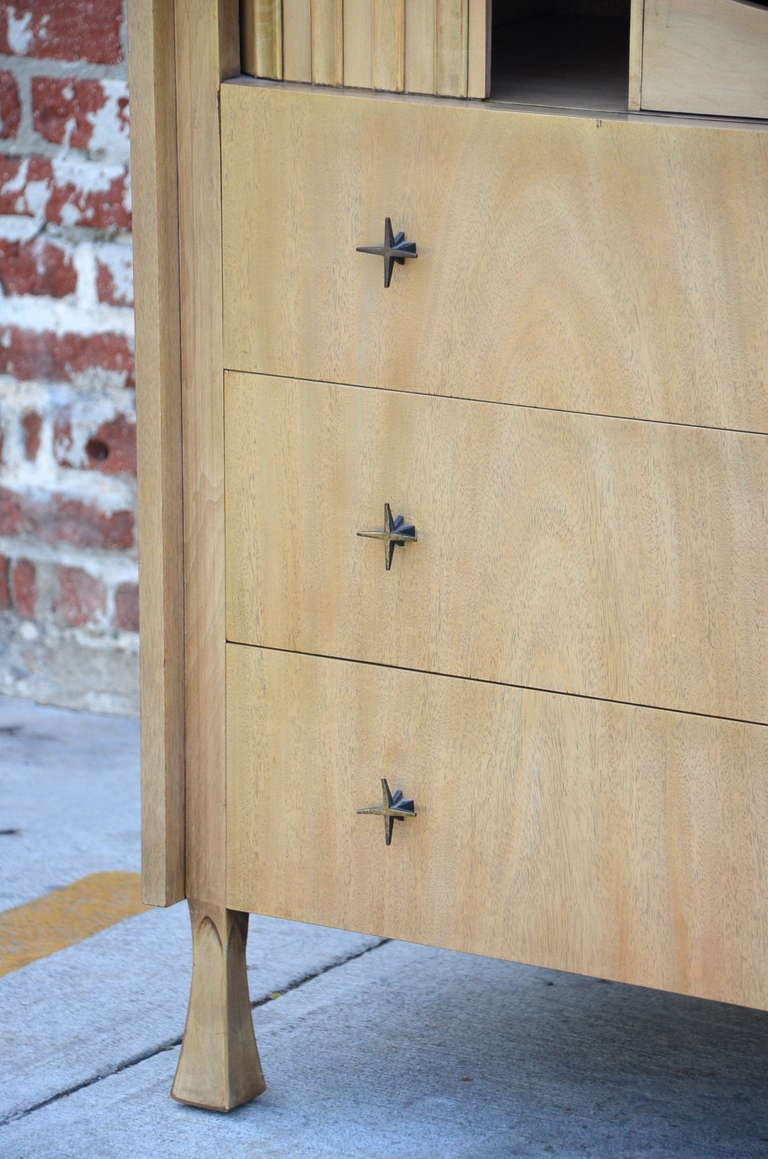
395 249
395 533
394 807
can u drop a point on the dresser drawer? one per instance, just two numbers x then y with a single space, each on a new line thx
598 556
605 266
706 56
600 838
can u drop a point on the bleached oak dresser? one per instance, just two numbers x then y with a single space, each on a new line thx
453 370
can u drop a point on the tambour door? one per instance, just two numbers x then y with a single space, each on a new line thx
598 556
608 266
602 838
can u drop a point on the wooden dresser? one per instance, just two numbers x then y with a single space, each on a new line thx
453 402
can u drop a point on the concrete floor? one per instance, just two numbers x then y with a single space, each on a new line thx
376 1051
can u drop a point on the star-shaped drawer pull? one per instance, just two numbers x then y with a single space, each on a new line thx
395 533
394 807
394 249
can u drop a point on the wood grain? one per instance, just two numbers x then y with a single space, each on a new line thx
420 31
358 43
427 46
219 1066
206 50
605 266
327 42
479 49
609 840
297 40
637 10
603 557
158 404
388 45
261 37
452 51
705 56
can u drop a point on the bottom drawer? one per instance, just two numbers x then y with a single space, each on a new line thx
579 834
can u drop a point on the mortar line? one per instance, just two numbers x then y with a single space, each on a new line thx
171 1044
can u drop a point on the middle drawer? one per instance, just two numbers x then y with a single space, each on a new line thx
604 557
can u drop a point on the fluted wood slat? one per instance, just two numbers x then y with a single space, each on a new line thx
422 46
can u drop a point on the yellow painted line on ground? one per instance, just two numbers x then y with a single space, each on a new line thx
66 916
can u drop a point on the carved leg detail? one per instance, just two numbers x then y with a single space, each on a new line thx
219 1067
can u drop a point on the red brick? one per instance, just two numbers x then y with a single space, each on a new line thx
31 425
44 355
5 584
36 267
63 29
10 168
84 193
80 597
64 110
71 203
113 276
118 438
59 519
25 588
10 105
127 607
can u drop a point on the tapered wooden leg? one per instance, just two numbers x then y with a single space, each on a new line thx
219 1067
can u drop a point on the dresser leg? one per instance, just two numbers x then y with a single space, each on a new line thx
219 1066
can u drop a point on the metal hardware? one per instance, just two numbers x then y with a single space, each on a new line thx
394 533
394 807
395 249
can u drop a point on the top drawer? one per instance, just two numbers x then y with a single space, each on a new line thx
706 56
613 267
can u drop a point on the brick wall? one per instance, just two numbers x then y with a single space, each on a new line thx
68 607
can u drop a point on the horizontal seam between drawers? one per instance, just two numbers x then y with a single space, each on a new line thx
502 402
499 683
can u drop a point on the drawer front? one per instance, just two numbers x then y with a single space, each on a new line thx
600 838
706 56
598 556
603 266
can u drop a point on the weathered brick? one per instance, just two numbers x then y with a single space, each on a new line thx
112 446
10 105
80 113
38 266
25 588
60 519
72 30
80 597
31 426
114 280
127 607
5 583
44 355
66 192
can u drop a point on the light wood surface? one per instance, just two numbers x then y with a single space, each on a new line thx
261 38
158 405
219 1065
637 9
452 47
600 266
706 56
388 45
327 42
479 49
598 556
297 40
358 44
425 46
627 843
206 50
